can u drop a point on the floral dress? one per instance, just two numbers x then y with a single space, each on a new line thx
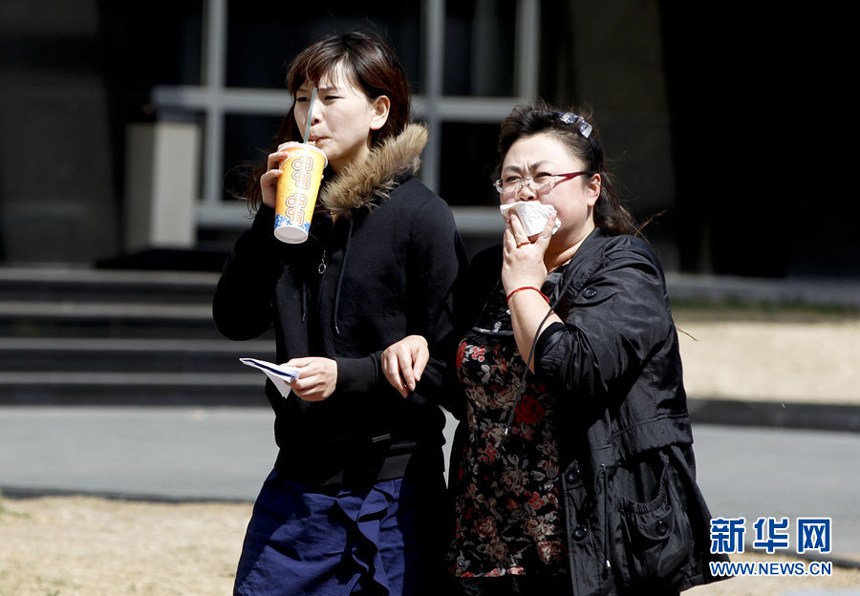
509 518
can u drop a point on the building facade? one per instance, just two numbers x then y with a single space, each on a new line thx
126 126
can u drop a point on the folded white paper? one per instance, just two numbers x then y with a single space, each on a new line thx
280 375
533 214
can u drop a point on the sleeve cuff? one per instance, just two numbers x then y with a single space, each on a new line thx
357 375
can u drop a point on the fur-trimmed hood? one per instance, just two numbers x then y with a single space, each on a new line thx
372 180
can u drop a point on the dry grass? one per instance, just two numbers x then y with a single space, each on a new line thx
791 356
87 546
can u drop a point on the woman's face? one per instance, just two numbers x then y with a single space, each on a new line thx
343 118
539 157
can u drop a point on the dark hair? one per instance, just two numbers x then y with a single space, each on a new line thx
576 130
371 65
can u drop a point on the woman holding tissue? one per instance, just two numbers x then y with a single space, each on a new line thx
576 472
356 500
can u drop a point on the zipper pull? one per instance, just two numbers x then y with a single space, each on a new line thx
322 266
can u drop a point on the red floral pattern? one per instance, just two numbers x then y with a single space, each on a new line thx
509 515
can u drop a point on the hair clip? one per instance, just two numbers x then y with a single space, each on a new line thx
570 118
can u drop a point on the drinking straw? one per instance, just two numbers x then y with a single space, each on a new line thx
310 114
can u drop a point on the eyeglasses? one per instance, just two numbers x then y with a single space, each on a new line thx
541 184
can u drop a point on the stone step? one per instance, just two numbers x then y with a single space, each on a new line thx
106 319
74 337
112 388
127 355
93 285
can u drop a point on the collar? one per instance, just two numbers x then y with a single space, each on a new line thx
367 183
587 258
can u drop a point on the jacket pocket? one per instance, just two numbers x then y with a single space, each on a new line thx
656 537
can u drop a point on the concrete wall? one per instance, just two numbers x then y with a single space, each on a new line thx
738 132
614 61
58 200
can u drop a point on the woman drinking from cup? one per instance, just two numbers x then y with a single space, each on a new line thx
356 498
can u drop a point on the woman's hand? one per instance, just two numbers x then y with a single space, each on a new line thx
403 363
524 267
523 263
317 377
269 180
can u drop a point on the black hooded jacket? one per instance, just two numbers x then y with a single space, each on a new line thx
381 263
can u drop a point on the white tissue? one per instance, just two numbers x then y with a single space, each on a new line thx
533 214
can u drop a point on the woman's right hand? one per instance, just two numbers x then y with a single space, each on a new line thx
523 263
269 180
403 362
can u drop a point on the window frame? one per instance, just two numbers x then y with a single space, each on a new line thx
213 100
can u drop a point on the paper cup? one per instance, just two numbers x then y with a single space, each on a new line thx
298 186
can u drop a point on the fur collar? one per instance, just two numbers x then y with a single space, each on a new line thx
372 180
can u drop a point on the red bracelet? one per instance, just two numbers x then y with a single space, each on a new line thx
508 298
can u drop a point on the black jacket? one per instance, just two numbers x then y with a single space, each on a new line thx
381 263
636 520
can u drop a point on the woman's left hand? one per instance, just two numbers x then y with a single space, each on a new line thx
523 263
403 363
317 377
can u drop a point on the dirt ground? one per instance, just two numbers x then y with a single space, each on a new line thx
86 546
763 355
